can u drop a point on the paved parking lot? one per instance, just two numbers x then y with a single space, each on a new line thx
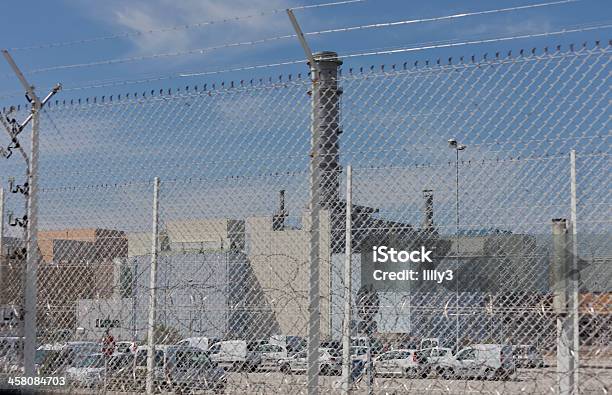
527 381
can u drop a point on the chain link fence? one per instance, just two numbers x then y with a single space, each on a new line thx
470 159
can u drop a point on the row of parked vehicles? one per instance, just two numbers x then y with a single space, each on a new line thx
200 362
175 366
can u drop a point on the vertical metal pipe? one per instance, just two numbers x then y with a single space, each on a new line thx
457 251
30 322
370 367
134 296
3 260
152 290
560 266
575 277
314 307
346 322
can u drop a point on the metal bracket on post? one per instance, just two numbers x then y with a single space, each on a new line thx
303 43
31 273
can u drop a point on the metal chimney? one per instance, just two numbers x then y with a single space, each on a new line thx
428 209
328 124
278 221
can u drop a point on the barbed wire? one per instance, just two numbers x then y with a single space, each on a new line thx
204 50
180 27
444 44
356 169
606 25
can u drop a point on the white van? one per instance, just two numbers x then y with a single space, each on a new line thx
488 361
230 354
203 343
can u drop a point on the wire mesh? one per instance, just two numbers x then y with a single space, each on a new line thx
235 239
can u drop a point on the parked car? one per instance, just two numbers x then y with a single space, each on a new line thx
190 368
429 360
330 362
200 342
120 361
397 362
527 356
45 356
121 376
430 342
293 344
267 356
120 368
488 361
11 354
335 344
359 353
233 354
73 353
88 371
124 347
140 364
377 346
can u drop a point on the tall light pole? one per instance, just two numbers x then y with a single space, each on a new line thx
453 144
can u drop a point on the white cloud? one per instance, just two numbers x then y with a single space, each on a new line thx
146 15
507 28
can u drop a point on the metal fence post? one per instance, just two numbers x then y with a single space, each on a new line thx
565 323
31 283
314 303
32 258
152 290
574 278
346 322
3 260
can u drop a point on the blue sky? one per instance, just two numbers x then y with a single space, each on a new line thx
399 122
45 22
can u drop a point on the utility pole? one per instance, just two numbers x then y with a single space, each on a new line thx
31 275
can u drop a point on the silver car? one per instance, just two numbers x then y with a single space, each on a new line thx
527 356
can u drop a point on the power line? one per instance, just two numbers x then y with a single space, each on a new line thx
179 27
288 36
